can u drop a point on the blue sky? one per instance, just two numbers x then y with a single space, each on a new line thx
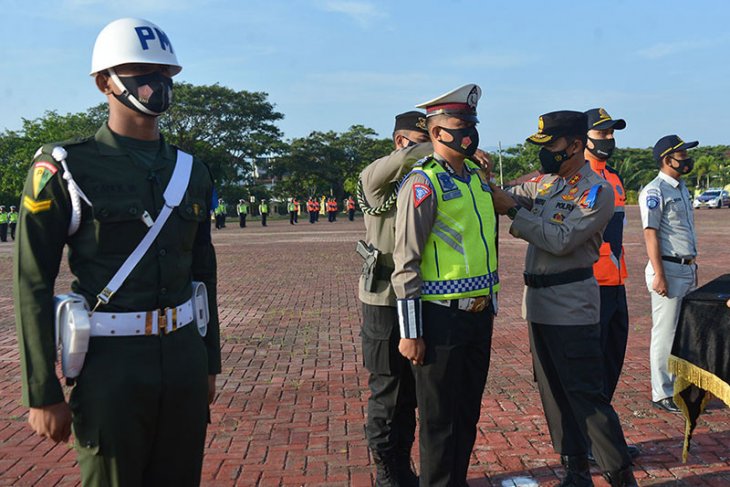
664 66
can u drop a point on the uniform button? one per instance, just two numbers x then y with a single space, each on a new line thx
163 291
133 211
162 252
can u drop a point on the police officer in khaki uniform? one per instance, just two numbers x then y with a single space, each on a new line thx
391 418
140 405
562 215
445 281
667 217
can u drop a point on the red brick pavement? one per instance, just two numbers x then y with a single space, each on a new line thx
292 395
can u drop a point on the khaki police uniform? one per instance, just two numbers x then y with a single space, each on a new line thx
140 403
391 419
666 206
562 221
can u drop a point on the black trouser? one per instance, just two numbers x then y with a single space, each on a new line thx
351 214
614 334
263 219
242 220
391 421
569 370
220 221
292 217
449 388
312 216
12 229
330 216
3 232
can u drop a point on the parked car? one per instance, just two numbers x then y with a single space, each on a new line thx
713 198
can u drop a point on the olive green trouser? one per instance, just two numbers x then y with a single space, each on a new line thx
140 410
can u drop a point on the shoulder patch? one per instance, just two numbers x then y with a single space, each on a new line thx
652 201
420 193
43 171
34 206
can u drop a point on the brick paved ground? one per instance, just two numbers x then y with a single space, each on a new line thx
293 391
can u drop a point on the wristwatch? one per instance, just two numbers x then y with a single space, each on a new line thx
512 212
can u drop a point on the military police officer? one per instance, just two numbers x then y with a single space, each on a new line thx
391 418
562 215
445 279
242 211
669 232
140 403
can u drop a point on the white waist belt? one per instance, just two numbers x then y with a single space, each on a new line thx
158 322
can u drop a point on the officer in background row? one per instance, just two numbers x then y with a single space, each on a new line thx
671 243
292 208
391 416
264 211
140 404
220 214
3 224
350 205
13 221
562 215
446 280
610 270
242 211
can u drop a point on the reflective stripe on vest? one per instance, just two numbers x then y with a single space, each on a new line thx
459 259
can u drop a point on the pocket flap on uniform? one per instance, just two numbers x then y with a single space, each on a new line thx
109 211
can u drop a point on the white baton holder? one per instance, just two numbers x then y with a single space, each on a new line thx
200 307
73 331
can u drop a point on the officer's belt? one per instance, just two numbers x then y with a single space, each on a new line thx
678 260
471 305
158 322
566 277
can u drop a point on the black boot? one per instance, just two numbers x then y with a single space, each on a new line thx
577 472
406 475
386 465
621 478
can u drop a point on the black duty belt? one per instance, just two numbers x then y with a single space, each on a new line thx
547 280
678 260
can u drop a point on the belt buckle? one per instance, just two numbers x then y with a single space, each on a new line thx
162 321
478 304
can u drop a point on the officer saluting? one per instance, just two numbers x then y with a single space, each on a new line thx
140 403
391 418
242 210
562 215
445 279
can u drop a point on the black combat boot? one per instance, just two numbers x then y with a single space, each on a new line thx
621 478
406 475
577 472
386 465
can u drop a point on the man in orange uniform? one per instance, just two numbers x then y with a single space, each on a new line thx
610 269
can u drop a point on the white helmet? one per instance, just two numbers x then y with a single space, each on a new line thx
132 40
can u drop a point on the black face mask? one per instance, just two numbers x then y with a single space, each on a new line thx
464 141
602 148
152 91
685 165
551 161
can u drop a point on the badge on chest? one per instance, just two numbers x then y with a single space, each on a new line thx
448 187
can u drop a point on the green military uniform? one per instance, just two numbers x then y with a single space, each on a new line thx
3 225
12 221
140 403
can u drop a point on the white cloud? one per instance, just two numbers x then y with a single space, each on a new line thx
664 49
364 13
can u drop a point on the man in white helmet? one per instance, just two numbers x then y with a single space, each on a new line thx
139 407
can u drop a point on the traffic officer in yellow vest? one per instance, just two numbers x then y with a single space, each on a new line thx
13 221
445 279
242 210
264 211
140 404
562 215
292 209
3 224
391 415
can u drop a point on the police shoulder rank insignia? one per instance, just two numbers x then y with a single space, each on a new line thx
420 193
574 180
42 173
34 206
545 189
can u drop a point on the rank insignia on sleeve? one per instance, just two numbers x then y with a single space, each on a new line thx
420 193
34 206
574 180
42 173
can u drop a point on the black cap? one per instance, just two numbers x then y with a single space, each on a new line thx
599 119
552 125
413 120
669 144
